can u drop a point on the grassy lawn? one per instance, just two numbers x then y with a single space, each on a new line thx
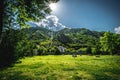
64 67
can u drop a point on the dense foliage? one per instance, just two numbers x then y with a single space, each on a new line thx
8 46
80 41
13 15
110 43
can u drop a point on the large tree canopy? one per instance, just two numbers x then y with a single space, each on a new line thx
110 42
17 12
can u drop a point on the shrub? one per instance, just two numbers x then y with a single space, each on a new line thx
89 50
10 39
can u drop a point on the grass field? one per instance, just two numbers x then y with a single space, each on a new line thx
64 67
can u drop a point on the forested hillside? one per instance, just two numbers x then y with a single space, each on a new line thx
75 40
74 35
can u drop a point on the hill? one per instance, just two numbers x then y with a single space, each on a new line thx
69 32
65 36
74 40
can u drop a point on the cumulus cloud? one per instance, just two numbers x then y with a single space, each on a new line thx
51 22
117 30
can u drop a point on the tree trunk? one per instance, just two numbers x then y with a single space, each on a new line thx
1 15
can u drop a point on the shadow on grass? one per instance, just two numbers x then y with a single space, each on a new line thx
45 71
98 74
103 77
32 66
69 69
16 76
77 78
51 78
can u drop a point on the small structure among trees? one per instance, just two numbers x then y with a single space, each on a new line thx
61 49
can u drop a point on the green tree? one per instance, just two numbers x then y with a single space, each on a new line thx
7 48
110 42
89 50
17 12
96 50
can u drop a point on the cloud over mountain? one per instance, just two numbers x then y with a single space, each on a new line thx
51 22
117 30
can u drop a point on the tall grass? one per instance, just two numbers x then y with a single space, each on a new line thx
64 67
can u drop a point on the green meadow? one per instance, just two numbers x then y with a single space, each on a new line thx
64 67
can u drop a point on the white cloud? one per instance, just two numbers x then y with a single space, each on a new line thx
51 22
117 30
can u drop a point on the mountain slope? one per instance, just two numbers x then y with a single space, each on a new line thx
66 36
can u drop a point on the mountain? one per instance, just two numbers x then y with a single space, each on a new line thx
37 33
80 35
65 36
83 31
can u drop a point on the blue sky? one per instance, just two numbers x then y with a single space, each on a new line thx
100 15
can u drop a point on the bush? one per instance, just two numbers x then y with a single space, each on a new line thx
10 39
82 50
43 50
89 50
57 52
25 48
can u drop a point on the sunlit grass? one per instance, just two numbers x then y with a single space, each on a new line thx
64 67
